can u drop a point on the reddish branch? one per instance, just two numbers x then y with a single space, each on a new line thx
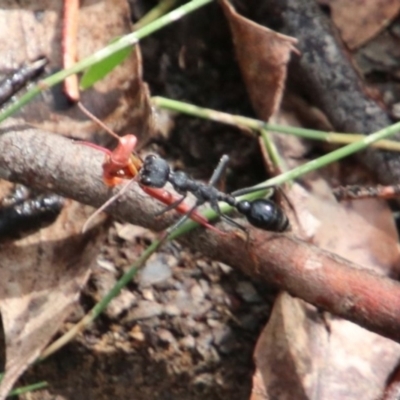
366 192
50 162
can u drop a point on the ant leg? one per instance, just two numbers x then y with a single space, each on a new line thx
213 180
171 206
106 204
180 221
219 170
233 222
223 216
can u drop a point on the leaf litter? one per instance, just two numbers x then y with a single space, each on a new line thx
314 345
43 274
304 352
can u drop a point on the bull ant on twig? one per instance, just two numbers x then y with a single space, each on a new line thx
261 213
153 173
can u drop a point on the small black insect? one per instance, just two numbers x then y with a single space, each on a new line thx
261 213
19 78
23 211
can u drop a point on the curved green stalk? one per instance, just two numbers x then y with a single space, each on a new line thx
258 125
122 43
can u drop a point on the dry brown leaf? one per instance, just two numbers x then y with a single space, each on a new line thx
130 232
359 21
120 99
263 56
41 277
304 353
380 54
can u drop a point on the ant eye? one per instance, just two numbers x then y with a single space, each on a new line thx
145 180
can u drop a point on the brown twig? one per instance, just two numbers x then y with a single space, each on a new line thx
50 162
357 192
326 76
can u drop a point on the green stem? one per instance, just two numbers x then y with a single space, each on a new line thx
332 156
258 125
160 9
124 42
29 388
272 151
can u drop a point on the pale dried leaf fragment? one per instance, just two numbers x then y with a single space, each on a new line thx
41 277
359 21
263 56
286 368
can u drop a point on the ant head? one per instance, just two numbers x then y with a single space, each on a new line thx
154 172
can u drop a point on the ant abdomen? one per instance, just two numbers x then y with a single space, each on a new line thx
264 214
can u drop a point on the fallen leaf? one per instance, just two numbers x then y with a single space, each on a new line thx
359 21
42 276
120 100
304 353
263 56
131 232
380 54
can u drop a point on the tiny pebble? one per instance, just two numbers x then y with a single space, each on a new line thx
204 380
213 323
248 292
201 264
223 336
146 309
155 271
226 269
204 286
106 265
172 310
137 334
123 302
188 342
197 294
166 336
148 294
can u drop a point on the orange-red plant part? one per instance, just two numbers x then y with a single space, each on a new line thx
122 164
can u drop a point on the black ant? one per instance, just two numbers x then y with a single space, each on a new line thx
262 213
153 173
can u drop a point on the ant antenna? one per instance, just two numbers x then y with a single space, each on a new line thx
106 204
95 119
